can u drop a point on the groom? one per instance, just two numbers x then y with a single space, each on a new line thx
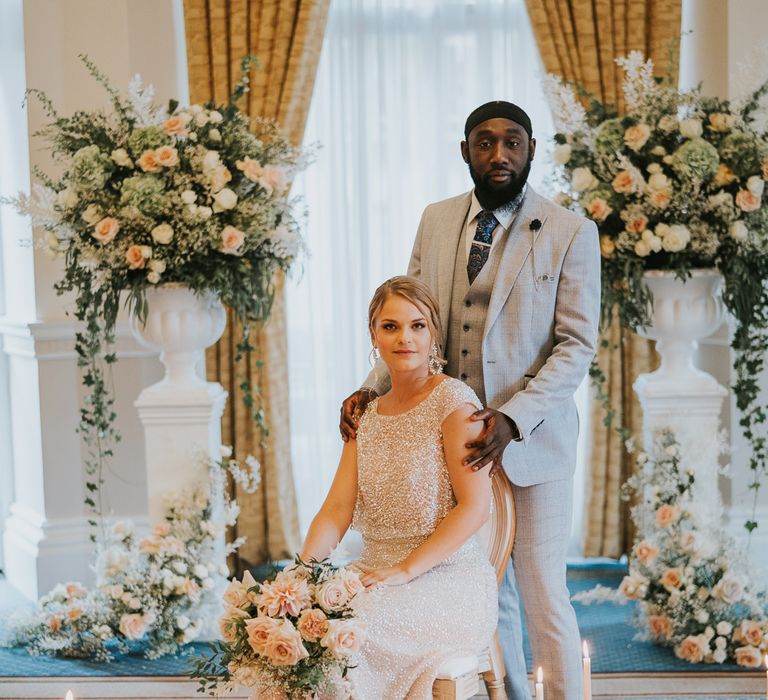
517 279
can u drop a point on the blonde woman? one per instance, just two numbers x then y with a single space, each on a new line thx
430 591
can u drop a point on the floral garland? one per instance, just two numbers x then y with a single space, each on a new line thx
291 637
676 183
686 575
151 195
159 589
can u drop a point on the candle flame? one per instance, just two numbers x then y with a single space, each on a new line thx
585 649
69 695
539 675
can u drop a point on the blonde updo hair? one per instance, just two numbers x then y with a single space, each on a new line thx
418 294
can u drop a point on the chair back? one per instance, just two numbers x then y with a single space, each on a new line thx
498 533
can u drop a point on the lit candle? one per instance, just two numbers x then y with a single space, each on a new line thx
539 684
69 695
587 671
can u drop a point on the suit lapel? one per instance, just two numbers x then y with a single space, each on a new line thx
516 249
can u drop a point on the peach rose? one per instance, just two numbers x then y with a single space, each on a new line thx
259 629
351 581
332 595
748 656
607 246
637 136
284 646
167 156
692 648
284 597
134 257
623 182
598 209
74 613
75 590
719 121
751 632
633 586
232 240
312 624
724 175
106 230
672 579
133 625
250 168
660 198
747 201
191 589
218 177
666 515
148 162
660 626
176 125
728 589
237 593
54 623
275 177
162 529
344 637
637 224
228 622
646 552
151 544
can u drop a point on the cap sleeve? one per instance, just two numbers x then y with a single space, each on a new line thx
454 394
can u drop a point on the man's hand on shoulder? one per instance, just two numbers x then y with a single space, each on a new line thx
351 410
489 448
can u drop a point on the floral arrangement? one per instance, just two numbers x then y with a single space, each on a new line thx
149 195
159 589
677 182
292 637
688 578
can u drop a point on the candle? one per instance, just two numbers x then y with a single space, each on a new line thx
587 671
765 661
539 684
69 695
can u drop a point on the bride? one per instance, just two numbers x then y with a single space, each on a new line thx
430 591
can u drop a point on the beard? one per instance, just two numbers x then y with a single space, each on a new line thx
491 196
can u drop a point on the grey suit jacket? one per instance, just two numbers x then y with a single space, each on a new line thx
540 333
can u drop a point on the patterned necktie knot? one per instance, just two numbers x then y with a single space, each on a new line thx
481 244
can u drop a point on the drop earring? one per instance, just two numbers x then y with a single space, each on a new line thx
435 364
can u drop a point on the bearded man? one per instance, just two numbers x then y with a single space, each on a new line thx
517 279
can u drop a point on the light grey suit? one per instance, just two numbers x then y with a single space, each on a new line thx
539 337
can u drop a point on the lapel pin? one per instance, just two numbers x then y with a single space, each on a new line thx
535 225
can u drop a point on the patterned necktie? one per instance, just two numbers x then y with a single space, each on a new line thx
481 244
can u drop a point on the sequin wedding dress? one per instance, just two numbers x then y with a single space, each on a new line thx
404 491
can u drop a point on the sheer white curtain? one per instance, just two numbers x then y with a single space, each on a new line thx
397 79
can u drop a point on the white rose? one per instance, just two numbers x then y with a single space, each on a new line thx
720 642
582 179
668 123
188 197
721 199
654 168
162 234
208 583
180 567
146 251
691 128
153 277
724 628
561 153
205 212
182 622
738 231
92 214
214 135
200 571
656 243
719 656
201 118
677 238
662 230
211 160
120 157
659 150
642 248
756 185
192 136
225 451
194 109
215 117
66 198
126 598
116 592
658 181
224 199
157 266
702 616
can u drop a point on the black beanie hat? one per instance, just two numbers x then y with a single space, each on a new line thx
493 110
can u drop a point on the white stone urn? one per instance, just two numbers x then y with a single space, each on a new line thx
678 395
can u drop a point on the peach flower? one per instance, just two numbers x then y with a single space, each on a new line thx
105 230
607 246
232 240
74 613
637 136
633 586
344 637
250 168
275 177
133 625
284 646
75 590
637 224
218 177
312 624
666 515
167 156
672 579
191 589
259 629
284 597
332 595
148 162
728 589
660 198
646 552
747 201
718 121
237 594
692 648
660 626
228 622
162 529
748 656
750 632
351 581
598 209
54 623
134 257
176 125
152 544
623 182
724 175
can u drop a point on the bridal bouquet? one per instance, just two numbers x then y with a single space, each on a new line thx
292 637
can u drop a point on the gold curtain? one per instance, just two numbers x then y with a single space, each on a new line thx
580 40
286 36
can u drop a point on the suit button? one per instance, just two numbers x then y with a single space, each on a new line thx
466 327
463 377
465 353
467 302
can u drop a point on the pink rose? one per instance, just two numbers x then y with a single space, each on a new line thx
660 626
332 595
672 579
692 648
54 623
633 586
746 201
637 224
623 182
598 209
287 596
646 552
728 589
351 581
344 637
177 125
191 589
134 257
259 630
106 230
162 529
284 646
748 656
274 176
312 624
133 626
148 162
666 515
167 156
232 240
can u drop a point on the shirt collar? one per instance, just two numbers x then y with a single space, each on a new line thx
504 214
